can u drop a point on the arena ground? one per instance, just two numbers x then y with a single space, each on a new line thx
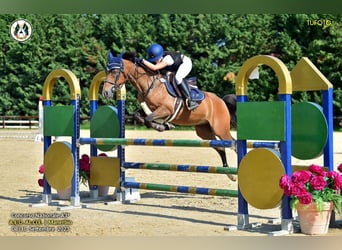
155 214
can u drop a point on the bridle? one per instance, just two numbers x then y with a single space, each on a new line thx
119 68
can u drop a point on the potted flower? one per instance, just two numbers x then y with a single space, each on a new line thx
314 190
85 174
41 180
84 169
63 194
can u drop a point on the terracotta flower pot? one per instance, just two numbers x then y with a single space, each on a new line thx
103 190
64 194
312 221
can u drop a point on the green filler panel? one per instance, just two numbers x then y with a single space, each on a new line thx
261 121
309 130
58 121
105 124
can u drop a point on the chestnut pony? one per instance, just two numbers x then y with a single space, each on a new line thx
211 118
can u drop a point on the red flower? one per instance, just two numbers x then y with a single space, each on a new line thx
41 182
298 189
336 180
41 169
339 168
85 157
301 176
305 198
317 170
84 165
288 190
284 181
318 183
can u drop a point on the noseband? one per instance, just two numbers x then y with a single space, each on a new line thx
115 67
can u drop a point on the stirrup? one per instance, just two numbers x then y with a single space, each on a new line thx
191 105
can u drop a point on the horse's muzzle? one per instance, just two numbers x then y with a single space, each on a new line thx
108 93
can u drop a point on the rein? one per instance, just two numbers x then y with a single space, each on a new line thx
133 75
138 75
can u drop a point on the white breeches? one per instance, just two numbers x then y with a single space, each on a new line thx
183 70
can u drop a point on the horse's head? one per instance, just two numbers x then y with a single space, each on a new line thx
123 68
115 76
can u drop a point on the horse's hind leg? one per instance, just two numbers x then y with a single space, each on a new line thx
206 133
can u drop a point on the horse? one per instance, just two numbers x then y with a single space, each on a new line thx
211 118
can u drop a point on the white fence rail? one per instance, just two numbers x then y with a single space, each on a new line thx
19 122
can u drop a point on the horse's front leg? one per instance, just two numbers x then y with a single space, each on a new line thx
149 122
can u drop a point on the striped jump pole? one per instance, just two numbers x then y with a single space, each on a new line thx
180 168
259 144
158 142
174 142
181 189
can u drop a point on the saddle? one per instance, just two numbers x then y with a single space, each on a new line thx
197 95
168 79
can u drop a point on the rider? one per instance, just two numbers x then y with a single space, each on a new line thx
175 62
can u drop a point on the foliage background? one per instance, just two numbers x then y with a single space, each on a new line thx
217 43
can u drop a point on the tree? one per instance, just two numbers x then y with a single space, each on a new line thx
217 44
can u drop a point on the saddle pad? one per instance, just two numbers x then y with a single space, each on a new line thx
196 94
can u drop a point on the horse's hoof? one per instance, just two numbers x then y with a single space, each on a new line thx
232 177
158 127
138 117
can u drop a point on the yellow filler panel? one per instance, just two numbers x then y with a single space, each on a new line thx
105 171
259 174
59 165
306 77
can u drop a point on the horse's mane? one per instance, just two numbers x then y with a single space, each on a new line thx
131 56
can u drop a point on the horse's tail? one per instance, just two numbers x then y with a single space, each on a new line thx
230 101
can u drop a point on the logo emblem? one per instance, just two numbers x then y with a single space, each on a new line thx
21 30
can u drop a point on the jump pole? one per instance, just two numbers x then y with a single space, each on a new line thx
181 189
157 142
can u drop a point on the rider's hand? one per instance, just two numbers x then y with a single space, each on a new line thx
138 60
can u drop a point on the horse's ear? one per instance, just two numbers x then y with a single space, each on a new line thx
110 56
114 62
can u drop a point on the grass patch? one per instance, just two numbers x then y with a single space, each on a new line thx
85 125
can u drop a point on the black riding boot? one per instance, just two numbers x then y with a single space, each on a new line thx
184 88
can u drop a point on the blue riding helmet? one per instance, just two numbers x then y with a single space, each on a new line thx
155 52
